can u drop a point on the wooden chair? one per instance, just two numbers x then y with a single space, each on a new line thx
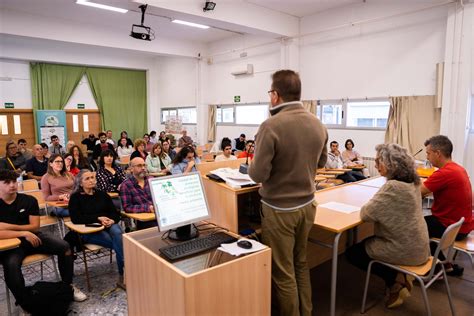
465 246
28 185
87 248
426 274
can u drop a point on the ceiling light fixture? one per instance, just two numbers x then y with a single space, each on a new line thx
101 6
209 6
201 26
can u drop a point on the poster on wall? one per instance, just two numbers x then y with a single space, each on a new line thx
49 123
173 125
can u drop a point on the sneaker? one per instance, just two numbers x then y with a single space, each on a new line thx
397 294
456 270
79 296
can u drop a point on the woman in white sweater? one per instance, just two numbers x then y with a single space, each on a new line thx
123 148
400 232
158 160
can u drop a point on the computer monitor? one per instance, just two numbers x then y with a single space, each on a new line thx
179 202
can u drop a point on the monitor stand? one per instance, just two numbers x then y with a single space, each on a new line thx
183 233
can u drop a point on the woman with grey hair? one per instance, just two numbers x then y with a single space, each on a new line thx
400 233
88 205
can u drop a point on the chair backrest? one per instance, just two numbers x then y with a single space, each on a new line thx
38 195
30 184
125 160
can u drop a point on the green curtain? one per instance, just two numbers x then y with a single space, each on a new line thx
52 85
121 98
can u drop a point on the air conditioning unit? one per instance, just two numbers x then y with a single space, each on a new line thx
242 70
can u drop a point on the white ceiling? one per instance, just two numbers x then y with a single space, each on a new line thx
68 10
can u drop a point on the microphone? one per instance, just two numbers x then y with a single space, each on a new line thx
419 151
244 168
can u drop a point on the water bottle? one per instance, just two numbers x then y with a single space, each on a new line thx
19 180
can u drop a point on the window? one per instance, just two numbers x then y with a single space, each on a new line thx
4 124
187 114
17 124
245 114
363 114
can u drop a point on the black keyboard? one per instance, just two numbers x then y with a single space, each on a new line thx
197 245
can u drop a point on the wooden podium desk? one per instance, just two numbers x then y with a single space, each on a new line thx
338 222
210 283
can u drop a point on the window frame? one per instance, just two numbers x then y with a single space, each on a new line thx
234 106
177 111
344 103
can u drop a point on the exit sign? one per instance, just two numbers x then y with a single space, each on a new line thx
9 105
81 106
237 98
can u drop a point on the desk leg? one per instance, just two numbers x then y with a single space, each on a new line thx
335 252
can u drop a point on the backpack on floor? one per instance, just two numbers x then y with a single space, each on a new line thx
48 298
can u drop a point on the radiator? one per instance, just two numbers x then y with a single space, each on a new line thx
369 162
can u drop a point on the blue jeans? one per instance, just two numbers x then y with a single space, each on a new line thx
109 238
60 212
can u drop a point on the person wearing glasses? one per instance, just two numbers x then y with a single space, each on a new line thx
135 192
249 150
14 160
57 183
287 178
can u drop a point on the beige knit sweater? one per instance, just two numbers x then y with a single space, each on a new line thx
401 235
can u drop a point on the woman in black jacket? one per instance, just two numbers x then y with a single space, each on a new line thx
88 205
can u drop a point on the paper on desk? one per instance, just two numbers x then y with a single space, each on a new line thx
235 250
233 177
340 207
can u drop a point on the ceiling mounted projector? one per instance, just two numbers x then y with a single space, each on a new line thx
209 6
141 31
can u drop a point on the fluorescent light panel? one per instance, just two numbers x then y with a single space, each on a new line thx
101 6
201 26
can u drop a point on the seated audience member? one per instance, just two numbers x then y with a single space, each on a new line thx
69 161
90 143
88 205
135 192
148 144
401 236
123 148
124 134
153 138
22 147
185 140
157 160
20 218
185 161
56 184
79 161
452 194
45 149
162 136
69 145
167 148
249 150
352 158
240 143
140 151
217 146
13 160
55 147
226 147
37 166
335 162
102 146
110 139
109 175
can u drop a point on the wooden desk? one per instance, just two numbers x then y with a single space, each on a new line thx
82 229
142 217
335 172
156 174
61 204
10 243
217 283
337 222
113 195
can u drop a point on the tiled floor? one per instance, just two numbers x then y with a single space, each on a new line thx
104 300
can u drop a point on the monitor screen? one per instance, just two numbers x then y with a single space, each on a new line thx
179 200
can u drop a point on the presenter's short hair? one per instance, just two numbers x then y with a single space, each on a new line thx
287 84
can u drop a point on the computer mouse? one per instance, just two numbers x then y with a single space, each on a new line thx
244 244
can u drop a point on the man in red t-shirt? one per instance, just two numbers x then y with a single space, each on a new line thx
451 189
249 150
